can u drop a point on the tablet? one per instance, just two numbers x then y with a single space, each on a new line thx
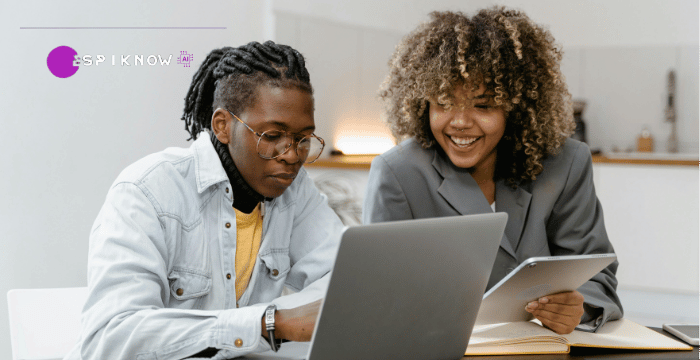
685 332
534 278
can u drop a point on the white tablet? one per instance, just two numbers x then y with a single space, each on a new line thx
534 278
685 332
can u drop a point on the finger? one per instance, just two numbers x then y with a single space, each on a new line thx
568 310
548 305
557 322
558 317
558 328
569 298
532 306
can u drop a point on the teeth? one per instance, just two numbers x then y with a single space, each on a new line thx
463 141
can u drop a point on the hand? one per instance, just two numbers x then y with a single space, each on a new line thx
559 312
295 324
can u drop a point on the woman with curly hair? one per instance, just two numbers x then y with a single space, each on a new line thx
486 115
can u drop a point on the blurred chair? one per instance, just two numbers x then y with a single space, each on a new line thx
341 190
44 323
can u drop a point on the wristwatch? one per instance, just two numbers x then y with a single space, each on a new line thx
270 326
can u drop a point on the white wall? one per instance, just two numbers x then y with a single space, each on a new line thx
617 55
625 89
66 140
573 23
606 23
651 216
347 64
399 16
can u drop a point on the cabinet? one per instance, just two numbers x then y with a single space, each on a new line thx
651 215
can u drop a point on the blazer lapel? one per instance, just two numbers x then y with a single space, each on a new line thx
515 202
459 189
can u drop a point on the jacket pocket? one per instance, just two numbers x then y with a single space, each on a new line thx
187 287
276 265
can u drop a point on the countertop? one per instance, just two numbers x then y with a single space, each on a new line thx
636 158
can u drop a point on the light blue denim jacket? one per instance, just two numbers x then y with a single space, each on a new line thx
163 243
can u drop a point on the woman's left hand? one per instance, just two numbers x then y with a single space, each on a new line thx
559 312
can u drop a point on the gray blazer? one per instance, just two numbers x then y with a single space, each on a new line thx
557 214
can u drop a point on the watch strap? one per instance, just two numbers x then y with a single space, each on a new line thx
270 327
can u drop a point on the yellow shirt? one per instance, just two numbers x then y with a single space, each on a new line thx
248 236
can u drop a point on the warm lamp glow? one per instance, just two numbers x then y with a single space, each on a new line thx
364 145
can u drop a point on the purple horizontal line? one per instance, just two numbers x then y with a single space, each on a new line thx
123 28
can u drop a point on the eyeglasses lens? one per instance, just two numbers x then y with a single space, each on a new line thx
274 143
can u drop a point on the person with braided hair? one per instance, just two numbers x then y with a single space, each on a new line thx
193 246
486 117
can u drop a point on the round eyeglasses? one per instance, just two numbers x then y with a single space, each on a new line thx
274 143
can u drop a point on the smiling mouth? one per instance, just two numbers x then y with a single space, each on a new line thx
463 141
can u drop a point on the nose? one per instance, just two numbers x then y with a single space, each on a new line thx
463 118
290 156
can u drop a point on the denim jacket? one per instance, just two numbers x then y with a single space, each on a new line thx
163 244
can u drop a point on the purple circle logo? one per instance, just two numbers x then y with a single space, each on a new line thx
60 62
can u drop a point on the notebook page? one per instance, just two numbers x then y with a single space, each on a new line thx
625 334
509 333
536 348
514 338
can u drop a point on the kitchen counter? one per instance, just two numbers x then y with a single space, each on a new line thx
635 158
645 158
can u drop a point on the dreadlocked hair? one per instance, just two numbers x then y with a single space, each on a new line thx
229 76
516 59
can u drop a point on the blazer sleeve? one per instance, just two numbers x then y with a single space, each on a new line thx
385 199
576 227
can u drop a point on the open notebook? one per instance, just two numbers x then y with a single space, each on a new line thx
530 337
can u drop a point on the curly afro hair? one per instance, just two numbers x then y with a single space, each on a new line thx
516 59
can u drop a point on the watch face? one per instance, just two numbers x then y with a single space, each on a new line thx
270 315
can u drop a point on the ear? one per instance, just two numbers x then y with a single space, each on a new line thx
221 125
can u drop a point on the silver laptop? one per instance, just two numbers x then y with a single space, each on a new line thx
404 290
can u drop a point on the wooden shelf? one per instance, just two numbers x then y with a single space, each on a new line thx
362 162
640 160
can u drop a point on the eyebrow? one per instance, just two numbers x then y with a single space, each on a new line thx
285 127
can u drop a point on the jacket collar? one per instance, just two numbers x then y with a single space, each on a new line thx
208 168
462 192
459 188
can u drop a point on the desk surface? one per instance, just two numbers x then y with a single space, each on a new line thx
298 351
